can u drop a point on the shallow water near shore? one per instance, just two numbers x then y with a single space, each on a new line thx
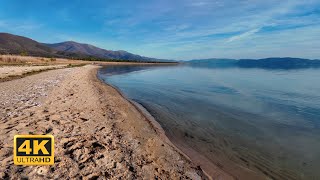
267 121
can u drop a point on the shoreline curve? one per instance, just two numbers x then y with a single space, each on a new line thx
210 170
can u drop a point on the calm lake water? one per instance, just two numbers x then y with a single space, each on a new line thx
264 120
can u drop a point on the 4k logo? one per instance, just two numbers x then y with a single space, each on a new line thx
33 150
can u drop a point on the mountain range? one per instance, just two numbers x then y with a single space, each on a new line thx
13 44
266 63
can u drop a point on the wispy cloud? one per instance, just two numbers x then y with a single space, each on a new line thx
243 35
239 22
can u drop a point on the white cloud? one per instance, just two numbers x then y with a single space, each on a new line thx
243 35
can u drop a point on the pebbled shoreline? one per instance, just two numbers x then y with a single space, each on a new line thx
210 170
98 133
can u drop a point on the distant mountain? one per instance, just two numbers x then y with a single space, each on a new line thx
93 51
213 63
279 63
267 63
13 44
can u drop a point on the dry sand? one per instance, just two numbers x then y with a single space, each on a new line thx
98 134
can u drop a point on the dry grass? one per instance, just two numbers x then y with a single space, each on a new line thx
30 60
8 59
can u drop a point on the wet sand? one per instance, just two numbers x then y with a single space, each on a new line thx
98 133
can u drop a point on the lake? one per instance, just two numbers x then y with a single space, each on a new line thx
267 121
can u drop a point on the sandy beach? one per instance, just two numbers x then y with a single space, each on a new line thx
98 133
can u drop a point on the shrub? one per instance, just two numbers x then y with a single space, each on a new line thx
24 53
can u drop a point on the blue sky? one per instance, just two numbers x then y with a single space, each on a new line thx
173 29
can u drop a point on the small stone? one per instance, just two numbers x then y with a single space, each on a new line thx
42 171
